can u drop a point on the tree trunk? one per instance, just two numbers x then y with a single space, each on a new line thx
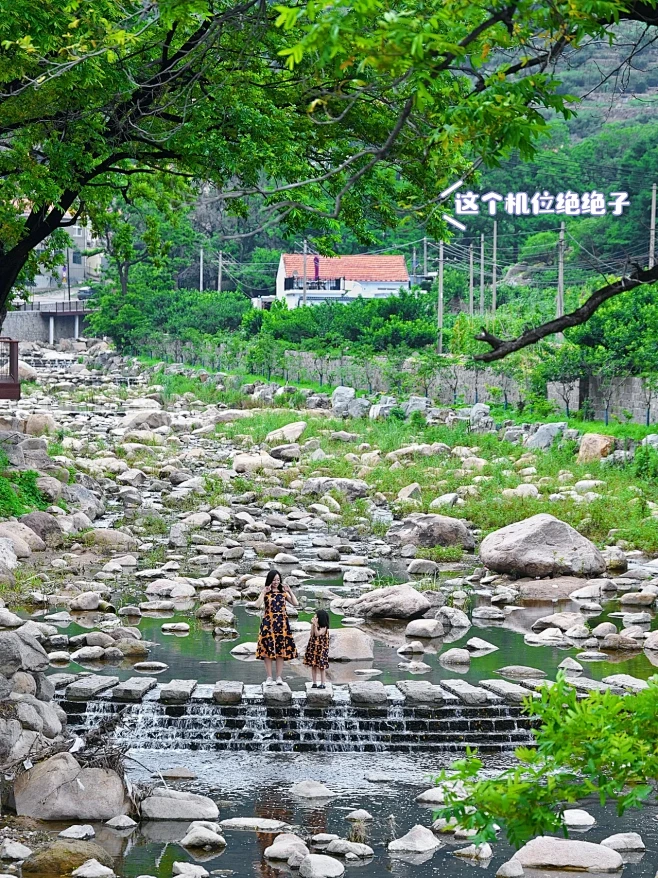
10 267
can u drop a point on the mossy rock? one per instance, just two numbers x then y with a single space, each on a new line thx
60 859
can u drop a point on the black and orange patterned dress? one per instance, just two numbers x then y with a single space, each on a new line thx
317 650
275 638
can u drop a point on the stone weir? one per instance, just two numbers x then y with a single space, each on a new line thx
363 717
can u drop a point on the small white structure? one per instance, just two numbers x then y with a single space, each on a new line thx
339 278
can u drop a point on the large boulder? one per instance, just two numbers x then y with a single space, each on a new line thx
541 545
393 602
62 857
60 789
547 852
39 423
20 651
430 530
165 804
345 645
44 526
26 372
341 398
350 645
594 446
545 436
14 530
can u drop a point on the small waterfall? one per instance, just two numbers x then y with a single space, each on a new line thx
203 725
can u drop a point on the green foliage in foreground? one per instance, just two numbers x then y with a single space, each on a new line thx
19 493
605 746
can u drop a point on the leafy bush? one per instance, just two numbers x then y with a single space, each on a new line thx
645 464
19 493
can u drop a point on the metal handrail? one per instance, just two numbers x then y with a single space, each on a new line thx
73 307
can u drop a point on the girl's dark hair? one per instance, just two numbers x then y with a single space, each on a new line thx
270 577
323 618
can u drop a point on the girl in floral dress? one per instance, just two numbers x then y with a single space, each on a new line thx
275 640
317 651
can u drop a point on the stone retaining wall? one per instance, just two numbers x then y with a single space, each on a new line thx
628 397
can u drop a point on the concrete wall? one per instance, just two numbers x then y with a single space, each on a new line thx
466 385
628 396
33 326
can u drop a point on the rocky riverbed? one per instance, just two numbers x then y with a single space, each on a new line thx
132 588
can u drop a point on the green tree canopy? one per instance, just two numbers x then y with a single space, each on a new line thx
379 106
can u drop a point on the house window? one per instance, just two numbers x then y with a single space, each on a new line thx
77 231
77 257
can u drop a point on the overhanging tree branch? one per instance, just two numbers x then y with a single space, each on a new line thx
503 347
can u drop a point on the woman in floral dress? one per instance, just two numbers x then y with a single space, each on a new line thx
275 640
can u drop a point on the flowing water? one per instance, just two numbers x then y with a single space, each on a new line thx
251 784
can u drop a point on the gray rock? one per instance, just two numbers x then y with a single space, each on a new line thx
422 692
624 841
201 835
418 840
86 687
350 645
541 545
510 869
320 866
455 657
284 846
44 526
370 693
311 789
545 436
359 407
341 398
165 804
177 691
81 832
352 488
60 789
430 530
20 651
228 692
290 451
547 852
277 695
134 689
392 602
340 847
424 628
14 850
93 869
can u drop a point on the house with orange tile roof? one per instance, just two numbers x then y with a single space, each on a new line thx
339 278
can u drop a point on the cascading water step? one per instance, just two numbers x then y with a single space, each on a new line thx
253 725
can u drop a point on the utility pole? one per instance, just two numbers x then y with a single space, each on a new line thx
439 310
652 229
414 269
495 267
470 281
559 304
201 270
220 268
482 275
304 278
425 256
68 271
